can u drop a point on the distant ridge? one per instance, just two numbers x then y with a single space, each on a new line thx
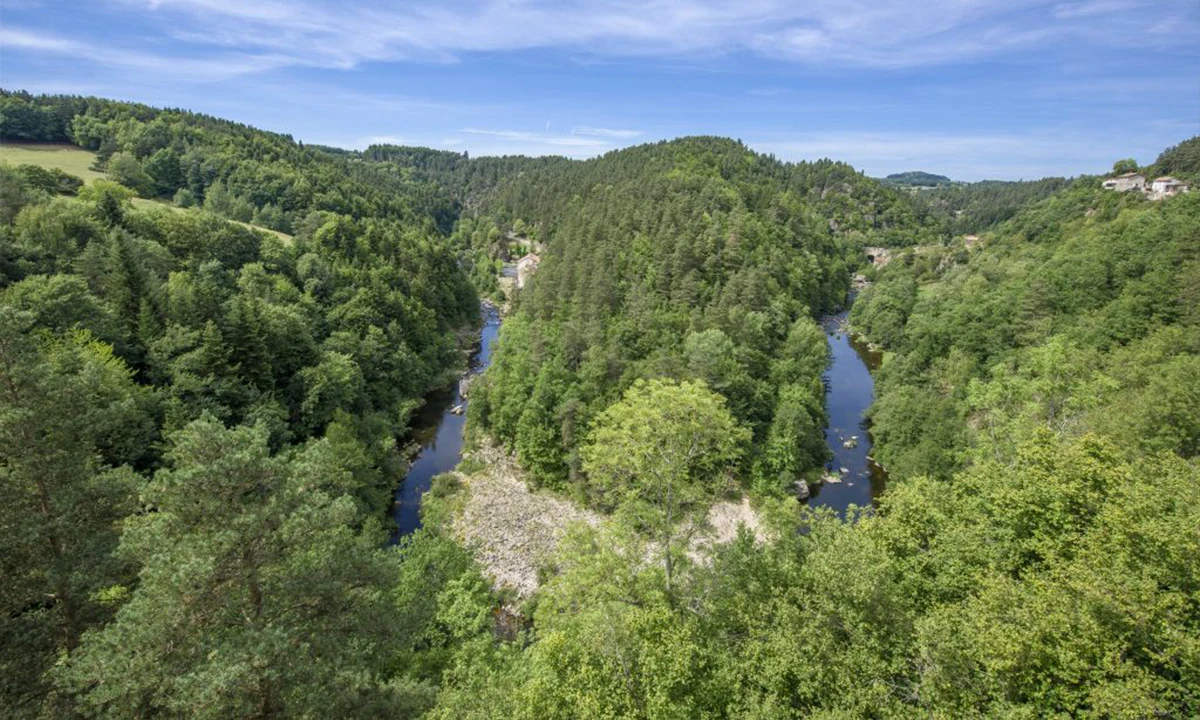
917 178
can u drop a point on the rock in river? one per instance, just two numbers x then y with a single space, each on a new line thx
802 491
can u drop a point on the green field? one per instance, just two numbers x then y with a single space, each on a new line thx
146 204
68 158
78 162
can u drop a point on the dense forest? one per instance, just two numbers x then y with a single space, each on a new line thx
1038 552
975 207
209 362
199 420
694 259
1078 314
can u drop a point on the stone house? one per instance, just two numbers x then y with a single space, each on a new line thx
526 267
1167 186
1125 182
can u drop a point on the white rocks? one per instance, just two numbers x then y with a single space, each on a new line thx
512 531
726 516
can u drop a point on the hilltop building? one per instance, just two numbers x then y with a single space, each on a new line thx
1126 182
1167 186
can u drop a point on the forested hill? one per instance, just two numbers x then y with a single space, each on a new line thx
223 403
160 153
840 196
917 179
1078 314
695 258
975 207
471 181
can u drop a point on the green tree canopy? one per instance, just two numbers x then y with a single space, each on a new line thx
663 454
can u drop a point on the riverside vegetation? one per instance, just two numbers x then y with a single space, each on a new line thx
199 424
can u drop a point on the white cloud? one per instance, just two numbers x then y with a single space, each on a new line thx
12 38
379 140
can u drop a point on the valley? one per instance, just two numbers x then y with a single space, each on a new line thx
285 432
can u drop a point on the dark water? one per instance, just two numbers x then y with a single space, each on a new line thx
849 390
440 435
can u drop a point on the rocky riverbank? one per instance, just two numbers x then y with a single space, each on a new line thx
514 532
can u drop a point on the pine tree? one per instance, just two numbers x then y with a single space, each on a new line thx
257 595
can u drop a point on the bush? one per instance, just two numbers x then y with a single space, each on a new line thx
126 170
444 485
470 466
185 198
50 180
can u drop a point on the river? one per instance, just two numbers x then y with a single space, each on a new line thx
849 390
439 432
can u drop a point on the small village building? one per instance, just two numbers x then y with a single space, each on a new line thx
1126 182
1167 186
526 266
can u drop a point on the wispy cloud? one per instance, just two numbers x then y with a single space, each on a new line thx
379 140
604 132
216 67
839 33
1092 8
520 142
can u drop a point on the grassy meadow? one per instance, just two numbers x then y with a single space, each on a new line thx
68 158
78 162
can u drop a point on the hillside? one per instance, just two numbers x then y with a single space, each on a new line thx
272 375
695 258
1079 312
75 162
70 159
242 173
975 207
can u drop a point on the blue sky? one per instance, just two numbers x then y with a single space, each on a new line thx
985 89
